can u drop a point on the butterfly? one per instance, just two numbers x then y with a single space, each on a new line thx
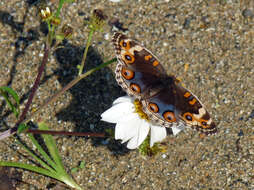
164 100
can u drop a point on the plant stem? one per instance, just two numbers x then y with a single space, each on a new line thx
35 86
60 5
67 87
35 131
13 130
90 36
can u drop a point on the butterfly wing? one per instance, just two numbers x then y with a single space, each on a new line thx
137 67
174 104
192 111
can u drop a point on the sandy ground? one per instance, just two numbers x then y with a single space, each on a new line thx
214 38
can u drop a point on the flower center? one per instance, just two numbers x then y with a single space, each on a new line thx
139 110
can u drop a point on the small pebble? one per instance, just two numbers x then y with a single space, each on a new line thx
247 13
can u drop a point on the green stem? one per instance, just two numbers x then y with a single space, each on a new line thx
69 181
53 28
13 130
67 87
85 52
61 2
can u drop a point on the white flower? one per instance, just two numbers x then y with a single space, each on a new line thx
115 1
130 126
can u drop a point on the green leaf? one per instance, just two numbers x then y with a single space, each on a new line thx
60 37
82 164
5 91
146 150
69 1
51 145
55 169
42 152
31 168
11 92
74 170
43 164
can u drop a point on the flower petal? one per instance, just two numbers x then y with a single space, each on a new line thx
127 129
158 133
123 99
143 128
117 112
178 128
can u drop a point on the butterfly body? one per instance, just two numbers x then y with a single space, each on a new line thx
165 101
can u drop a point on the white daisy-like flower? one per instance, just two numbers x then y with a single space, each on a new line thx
115 1
132 124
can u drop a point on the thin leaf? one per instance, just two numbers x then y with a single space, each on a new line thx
11 92
31 168
42 152
74 170
60 37
4 90
63 178
51 145
43 164
82 165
